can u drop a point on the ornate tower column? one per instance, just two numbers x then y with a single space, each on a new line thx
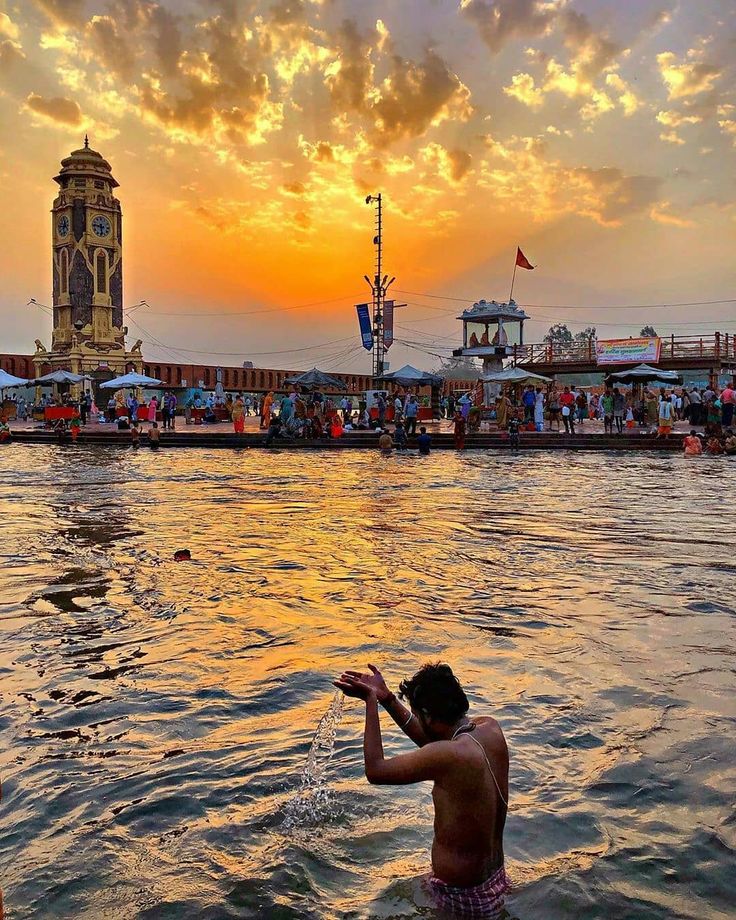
87 268
87 253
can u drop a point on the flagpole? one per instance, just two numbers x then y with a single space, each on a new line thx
513 278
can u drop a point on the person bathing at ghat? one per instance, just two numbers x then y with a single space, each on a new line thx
467 761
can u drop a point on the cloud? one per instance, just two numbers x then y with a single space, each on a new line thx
109 46
451 165
619 195
55 108
728 127
672 119
416 95
671 137
350 76
688 79
11 54
167 38
518 170
593 53
498 21
7 27
524 89
63 12
460 163
661 214
627 99
413 96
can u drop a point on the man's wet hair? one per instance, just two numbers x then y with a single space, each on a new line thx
435 690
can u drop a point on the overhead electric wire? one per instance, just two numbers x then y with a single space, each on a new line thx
558 306
301 306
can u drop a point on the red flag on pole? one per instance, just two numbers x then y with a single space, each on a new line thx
521 260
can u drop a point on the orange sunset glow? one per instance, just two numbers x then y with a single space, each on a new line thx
600 136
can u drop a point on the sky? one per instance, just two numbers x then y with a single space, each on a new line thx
599 135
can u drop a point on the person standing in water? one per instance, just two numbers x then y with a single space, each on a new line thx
468 762
459 430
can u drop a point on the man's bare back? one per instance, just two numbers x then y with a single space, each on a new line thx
469 814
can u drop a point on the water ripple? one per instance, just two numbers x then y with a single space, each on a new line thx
172 747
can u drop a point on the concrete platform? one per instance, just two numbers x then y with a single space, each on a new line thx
222 436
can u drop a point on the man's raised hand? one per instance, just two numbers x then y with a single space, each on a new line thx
361 685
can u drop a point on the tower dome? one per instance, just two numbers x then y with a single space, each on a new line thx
85 163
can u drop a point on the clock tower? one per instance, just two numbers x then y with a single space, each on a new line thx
87 269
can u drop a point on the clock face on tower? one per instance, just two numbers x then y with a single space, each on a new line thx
101 226
63 226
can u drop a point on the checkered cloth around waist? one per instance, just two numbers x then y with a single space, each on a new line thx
481 902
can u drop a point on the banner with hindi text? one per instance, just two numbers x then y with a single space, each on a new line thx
388 324
366 332
628 351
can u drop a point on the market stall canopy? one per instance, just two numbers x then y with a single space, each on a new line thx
408 376
130 380
60 377
8 380
515 375
645 373
316 379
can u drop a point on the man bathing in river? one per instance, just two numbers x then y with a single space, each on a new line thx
468 762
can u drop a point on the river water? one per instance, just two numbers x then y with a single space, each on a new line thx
159 746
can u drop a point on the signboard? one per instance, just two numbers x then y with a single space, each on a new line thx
364 318
388 325
628 351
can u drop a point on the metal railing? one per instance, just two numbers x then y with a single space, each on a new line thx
716 346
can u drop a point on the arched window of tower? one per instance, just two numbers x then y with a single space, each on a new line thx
101 264
64 272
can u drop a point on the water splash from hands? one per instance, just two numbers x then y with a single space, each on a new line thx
315 803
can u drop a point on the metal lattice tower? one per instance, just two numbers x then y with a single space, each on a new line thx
379 286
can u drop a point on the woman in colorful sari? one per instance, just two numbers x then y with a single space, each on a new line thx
238 416
503 406
459 430
152 409
266 410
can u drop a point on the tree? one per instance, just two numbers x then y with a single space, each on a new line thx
586 335
559 334
463 368
649 332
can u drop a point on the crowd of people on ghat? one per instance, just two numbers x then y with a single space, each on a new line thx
310 414
658 409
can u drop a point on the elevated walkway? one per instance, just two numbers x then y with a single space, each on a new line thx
714 352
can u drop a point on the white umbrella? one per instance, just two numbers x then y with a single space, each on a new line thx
61 377
316 378
130 380
8 380
644 373
515 375
408 376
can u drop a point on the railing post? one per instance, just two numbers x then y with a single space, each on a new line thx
701 346
672 346
718 345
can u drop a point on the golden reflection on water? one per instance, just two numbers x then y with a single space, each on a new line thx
158 715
